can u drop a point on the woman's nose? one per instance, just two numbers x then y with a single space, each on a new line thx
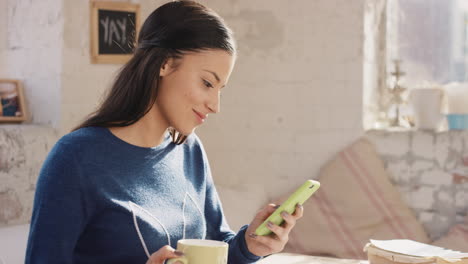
214 104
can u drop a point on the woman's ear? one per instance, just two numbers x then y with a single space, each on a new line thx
167 67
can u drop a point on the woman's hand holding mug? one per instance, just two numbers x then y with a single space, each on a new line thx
192 251
162 254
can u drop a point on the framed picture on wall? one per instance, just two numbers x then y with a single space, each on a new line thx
12 102
114 28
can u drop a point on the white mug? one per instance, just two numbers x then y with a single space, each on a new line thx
427 105
198 251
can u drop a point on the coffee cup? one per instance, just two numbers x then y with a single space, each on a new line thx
198 251
427 105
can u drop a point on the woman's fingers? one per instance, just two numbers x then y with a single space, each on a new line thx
299 211
282 232
279 233
162 254
289 222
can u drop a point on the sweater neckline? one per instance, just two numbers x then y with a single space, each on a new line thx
119 141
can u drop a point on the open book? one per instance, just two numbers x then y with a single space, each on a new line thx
409 251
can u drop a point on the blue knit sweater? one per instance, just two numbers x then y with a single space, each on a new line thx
102 200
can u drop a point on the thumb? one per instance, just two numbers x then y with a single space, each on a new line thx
162 254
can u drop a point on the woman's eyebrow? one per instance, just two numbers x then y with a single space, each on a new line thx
215 75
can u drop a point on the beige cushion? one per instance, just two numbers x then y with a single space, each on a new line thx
356 202
456 238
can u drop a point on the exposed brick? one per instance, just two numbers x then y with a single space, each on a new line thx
461 201
438 225
426 216
436 177
423 198
442 148
445 197
456 142
399 171
11 206
465 160
459 179
422 145
422 165
393 144
22 150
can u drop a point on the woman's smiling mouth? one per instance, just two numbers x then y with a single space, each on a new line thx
201 117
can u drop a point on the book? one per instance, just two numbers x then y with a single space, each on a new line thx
409 251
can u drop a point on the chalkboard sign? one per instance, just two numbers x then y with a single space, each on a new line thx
114 27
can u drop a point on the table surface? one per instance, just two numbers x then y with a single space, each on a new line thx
289 258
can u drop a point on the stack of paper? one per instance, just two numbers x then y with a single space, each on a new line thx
409 251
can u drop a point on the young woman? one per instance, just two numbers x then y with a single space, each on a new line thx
133 179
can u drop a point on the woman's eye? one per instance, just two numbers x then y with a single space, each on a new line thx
207 84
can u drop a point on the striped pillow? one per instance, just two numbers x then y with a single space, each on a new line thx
356 202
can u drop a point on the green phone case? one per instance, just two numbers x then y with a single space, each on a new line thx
298 197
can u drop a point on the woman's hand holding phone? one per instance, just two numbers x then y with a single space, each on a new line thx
269 231
274 242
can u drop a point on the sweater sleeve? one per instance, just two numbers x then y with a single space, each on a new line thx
218 228
59 212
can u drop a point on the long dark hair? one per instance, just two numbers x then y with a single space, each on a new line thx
168 32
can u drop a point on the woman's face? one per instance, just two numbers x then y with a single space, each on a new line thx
190 87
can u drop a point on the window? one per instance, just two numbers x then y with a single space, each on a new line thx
428 37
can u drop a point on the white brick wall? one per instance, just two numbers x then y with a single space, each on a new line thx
423 165
22 152
31 50
294 98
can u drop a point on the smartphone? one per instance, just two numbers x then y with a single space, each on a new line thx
301 195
